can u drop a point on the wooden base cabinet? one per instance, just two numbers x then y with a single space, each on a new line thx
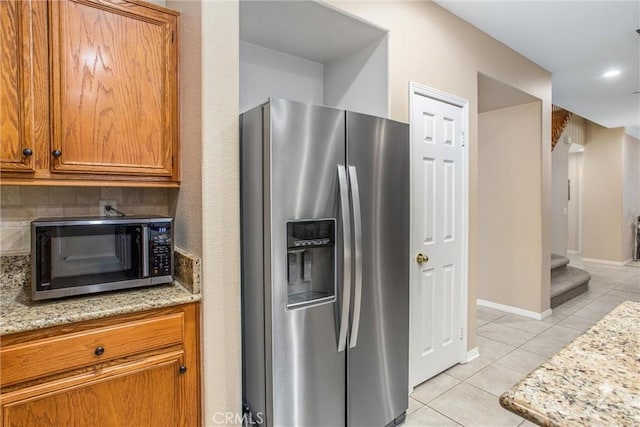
89 92
132 378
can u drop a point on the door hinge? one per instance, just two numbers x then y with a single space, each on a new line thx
461 333
462 143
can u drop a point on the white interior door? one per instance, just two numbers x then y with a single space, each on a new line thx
438 233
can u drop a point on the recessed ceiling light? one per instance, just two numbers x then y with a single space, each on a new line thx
611 73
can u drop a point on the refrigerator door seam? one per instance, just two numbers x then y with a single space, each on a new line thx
346 280
357 232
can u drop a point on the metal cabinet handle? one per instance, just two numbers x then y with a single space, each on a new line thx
56 153
99 350
183 369
346 278
357 233
27 152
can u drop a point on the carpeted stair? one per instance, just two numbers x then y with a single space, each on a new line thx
566 282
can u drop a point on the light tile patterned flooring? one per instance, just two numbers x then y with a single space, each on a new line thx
512 346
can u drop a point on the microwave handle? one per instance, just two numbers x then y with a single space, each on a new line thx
145 251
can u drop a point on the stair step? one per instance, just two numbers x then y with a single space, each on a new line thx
558 261
567 284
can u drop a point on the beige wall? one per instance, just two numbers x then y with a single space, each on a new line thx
631 193
433 47
207 211
509 212
22 204
575 204
221 211
602 194
574 132
187 203
559 202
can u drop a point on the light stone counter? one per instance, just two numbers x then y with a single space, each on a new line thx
18 313
594 380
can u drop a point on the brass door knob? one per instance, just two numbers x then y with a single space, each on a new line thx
421 258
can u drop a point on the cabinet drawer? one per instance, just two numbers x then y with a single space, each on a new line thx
21 362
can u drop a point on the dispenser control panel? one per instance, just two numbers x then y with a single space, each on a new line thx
310 234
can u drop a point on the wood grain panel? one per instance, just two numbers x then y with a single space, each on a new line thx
9 83
145 393
75 396
19 51
27 361
115 103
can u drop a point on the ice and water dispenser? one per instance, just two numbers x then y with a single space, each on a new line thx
310 262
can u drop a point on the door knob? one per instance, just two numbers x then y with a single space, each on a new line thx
56 153
421 258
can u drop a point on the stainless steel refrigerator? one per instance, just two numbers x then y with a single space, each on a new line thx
325 266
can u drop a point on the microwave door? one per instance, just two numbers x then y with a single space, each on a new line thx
145 251
123 247
42 274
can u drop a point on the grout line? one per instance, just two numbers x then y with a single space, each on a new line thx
556 323
459 381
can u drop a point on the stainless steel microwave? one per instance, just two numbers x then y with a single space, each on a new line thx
74 256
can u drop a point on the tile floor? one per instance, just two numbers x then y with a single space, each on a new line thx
510 347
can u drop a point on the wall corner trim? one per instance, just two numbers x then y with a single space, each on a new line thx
607 262
472 354
514 310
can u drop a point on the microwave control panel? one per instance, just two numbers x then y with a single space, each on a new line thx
160 252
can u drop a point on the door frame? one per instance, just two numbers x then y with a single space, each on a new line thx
438 95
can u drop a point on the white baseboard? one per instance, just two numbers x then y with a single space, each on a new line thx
607 262
514 310
569 251
472 354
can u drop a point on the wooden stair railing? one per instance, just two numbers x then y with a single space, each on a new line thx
559 120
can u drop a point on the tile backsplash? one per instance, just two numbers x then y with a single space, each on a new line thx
20 205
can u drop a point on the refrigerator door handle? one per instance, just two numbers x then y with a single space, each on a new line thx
357 232
346 267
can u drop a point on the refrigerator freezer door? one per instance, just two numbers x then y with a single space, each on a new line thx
308 373
357 238
378 365
346 265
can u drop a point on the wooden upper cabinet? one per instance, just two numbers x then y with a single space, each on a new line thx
88 91
22 26
114 88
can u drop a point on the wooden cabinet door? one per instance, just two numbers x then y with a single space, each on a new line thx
114 107
23 82
149 392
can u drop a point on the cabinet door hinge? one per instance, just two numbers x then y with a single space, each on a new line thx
463 141
461 333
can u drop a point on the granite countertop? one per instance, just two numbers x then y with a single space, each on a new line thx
19 313
594 380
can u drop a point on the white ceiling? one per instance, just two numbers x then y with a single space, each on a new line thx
308 29
577 41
